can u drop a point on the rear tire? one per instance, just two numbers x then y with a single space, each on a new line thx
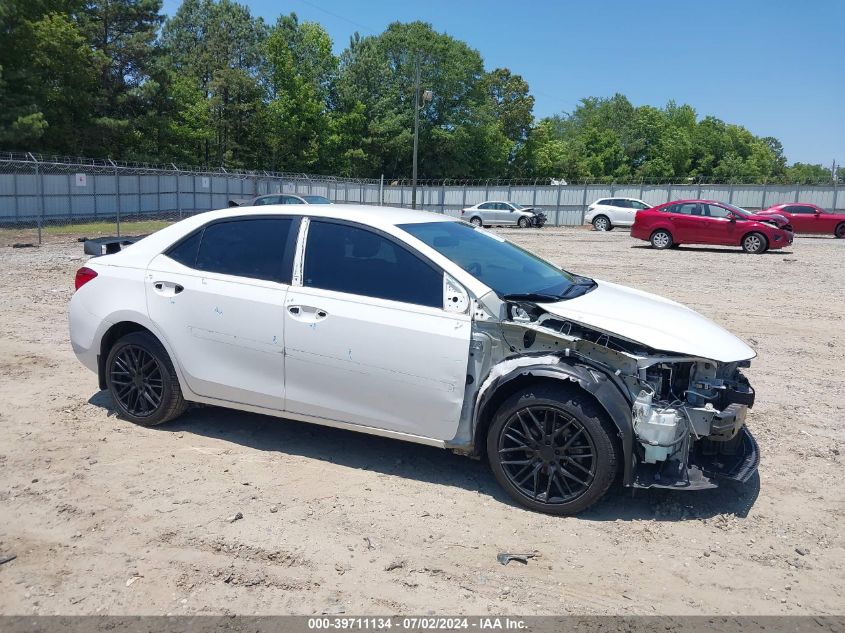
142 381
476 221
755 243
602 223
553 449
839 231
661 239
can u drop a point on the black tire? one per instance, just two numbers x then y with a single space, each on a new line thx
602 223
661 239
523 223
142 381
572 424
839 231
755 243
476 221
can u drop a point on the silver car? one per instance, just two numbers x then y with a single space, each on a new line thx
494 212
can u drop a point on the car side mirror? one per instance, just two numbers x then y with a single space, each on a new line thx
732 218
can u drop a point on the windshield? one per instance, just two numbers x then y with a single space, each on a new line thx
516 205
316 200
737 210
511 271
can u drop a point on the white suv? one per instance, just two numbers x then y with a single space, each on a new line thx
606 213
423 328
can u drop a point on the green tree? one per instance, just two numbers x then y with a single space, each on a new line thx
216 45
459 134
46 77
301 71
122 35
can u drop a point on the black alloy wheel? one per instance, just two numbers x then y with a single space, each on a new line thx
553 449
142 380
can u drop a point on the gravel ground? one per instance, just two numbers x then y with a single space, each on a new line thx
107 517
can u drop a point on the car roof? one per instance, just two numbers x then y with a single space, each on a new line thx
384 218
701 201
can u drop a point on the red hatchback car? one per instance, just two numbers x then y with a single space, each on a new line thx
710 222
810 218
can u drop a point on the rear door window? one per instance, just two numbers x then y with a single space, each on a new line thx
350 259
257 248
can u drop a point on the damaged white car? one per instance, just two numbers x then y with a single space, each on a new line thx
419 327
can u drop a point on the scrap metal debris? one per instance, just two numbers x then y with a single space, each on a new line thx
504 558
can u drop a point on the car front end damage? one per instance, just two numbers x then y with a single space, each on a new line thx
680 417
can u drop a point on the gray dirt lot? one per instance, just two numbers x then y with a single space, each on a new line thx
107 517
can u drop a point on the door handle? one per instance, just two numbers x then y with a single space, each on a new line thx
168 288
309 314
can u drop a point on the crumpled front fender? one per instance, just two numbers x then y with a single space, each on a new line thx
592 380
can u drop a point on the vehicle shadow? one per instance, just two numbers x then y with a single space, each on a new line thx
725 250
433 465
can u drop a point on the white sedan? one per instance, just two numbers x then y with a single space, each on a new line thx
423 328
606 213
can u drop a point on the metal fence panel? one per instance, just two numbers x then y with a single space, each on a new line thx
59 191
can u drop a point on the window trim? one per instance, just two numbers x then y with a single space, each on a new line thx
302 248
288 253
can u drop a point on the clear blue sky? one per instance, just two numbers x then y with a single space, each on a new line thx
777 66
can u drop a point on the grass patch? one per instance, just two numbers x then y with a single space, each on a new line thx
90 229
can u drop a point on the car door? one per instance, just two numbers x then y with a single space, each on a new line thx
367 339
808 219
688 223
622 212
218 298
636 206
504 213
487 212
719 225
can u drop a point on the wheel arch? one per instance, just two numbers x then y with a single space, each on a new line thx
120 328
661 227
595 384
758 231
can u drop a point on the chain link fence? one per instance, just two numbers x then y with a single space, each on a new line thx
42 197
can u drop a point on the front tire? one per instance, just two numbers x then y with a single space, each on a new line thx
552 449
523 223
661 239
142 381
602 223
755 243
840 231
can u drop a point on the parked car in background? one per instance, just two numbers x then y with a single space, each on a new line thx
493 212
607 213
809 218
278 198
710 222
419 327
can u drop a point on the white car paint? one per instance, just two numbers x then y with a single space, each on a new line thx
342 360
620 211
652 320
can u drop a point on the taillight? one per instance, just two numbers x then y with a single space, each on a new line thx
83 276
463 211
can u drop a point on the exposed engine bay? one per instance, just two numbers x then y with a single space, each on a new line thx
681 418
